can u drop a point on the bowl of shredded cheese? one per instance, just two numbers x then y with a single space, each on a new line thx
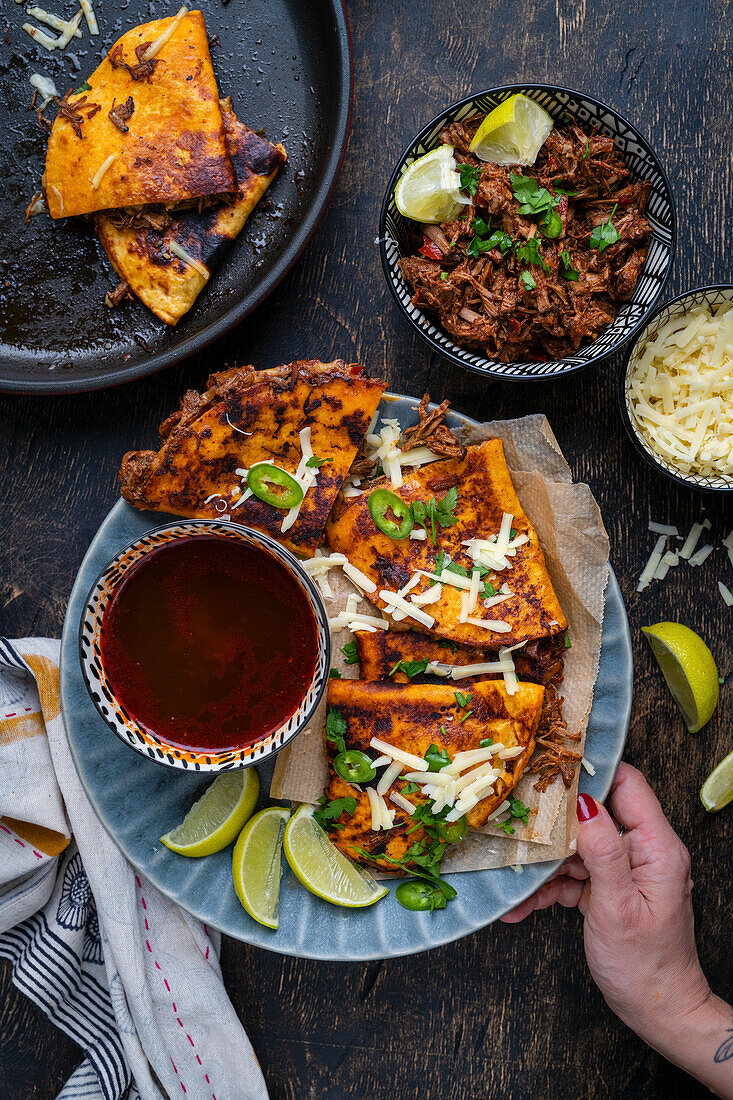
677 389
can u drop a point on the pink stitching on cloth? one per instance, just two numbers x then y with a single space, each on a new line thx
5 829
168 988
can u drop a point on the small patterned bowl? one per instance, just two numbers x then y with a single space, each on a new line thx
714 295
102 693
643 163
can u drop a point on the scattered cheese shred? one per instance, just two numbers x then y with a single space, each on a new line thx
662 528
360 579
402 802
179 251
388 777
588 766
43 84
701 555
415 762
392 599
89 15
41 37
68 34
161 40
97 178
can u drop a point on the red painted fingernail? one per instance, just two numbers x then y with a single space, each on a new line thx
587 807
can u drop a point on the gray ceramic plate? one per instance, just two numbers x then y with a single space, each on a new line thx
137 801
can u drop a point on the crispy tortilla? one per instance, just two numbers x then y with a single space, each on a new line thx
174 148
539 662
142 256
410 717
247 416
485 493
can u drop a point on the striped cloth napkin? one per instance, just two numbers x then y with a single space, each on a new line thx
120 968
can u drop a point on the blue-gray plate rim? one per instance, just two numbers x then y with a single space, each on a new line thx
137 801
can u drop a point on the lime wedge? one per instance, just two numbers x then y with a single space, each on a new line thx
216 819
257 866
323 869
429 191
689 669
513 133
717 790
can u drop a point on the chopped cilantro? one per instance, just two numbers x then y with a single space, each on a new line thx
498 239
567 642
315 462
334 674
527 280
449 645
330 810
350 652
444 274
457 568
605 234
436 758
470 176
517 809
529 253
410 668
335 729
481 227
488 591
551 224
587 150
410 788
462 698
532 198
442 512
85 87
561 189
484 744
566 267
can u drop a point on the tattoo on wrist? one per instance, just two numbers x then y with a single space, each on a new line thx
725 1050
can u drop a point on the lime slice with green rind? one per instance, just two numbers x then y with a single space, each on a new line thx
323 869
257 864
689 669
513 133
217 818
429 190
717 790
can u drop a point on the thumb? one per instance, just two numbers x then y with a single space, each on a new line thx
604 854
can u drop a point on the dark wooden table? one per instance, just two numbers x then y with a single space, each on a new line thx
509 1012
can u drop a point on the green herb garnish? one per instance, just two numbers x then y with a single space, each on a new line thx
410 788
518 809
441 512
350 652
527 280
437 758
335 729
315 462
410 668
587 150
484 744
85 87
566 267
334 674
470 177
462 698
532 198
481 227
330 810
529 253
567 642
444 274
488 591
605 234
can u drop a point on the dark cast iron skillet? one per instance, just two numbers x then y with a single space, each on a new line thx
288 68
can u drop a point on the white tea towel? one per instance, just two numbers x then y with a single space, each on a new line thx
121 969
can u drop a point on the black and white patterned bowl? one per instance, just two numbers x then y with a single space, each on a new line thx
102 692
643 163
714 295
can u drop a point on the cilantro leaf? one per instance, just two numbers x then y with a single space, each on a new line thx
568 643
410 668
410 788
457 568
488 591
566 267
85 87
449 645
470 175
335 729
481 227
350 652
527 280
561 189
605 234
587 150
330 810
436 758
334 674
518 809
427 514
462 698
315 462
498 239
532 198
529 253
484 744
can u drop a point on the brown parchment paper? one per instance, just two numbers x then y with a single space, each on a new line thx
574 540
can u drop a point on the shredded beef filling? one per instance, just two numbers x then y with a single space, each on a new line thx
482 302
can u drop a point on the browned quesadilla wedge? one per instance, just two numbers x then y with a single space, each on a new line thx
473 523
410 718
383 651
247 417
145 128
166 258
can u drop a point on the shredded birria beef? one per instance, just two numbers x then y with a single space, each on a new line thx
541 282
142 71
431 432
555 758
120 114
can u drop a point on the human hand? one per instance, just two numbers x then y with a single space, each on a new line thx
635 893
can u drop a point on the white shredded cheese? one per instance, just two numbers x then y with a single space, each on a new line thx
179 251
691 541
321 563
509 754
662 528
410 610
415 762
402 802
496 625
356 621
647 573
726 593
418 536
68 34
97 178
161 40
588 766
680 391
305 476
89 15
701 555
41 37
430 595
388 777
358 577
43 84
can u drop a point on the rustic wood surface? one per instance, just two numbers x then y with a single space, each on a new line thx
509 1012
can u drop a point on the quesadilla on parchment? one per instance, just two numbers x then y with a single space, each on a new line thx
373 718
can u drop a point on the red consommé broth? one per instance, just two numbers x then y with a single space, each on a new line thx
209 643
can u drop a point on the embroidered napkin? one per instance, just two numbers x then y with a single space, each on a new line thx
121 969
